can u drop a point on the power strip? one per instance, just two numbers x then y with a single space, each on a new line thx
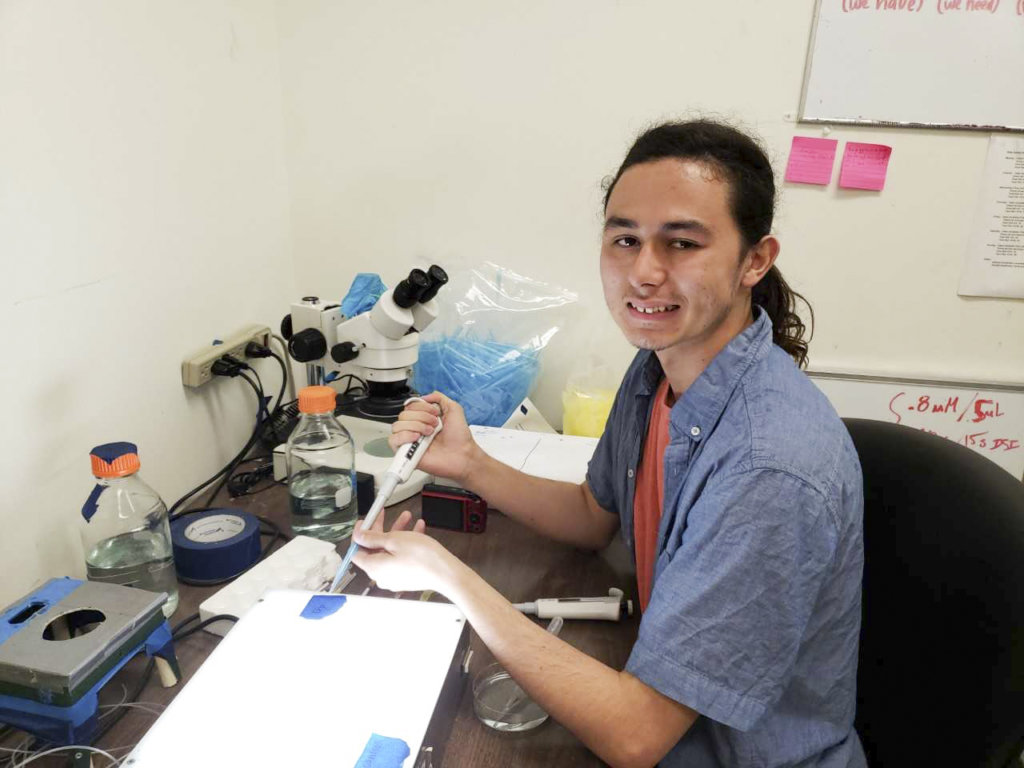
197 368
302 563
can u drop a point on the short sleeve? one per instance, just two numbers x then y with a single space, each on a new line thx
731 604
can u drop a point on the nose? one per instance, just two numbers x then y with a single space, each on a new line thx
648 269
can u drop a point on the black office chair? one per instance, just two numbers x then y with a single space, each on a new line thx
941 675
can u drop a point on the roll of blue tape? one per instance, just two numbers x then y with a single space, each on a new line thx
214 545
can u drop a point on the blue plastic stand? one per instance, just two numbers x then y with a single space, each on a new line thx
76 724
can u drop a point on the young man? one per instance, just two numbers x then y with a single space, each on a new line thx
727 472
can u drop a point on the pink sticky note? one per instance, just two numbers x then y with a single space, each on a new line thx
810 160
864 165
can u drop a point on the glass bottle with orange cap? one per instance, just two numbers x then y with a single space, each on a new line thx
320 459
127 537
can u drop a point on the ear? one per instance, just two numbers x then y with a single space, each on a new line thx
759 259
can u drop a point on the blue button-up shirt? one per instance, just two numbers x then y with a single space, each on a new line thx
754 615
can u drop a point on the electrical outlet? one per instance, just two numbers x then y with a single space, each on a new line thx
195 369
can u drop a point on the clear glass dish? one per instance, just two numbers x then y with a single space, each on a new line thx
501 704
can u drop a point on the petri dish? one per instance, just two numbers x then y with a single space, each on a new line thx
501 704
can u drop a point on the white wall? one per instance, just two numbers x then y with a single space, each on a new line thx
143 211
470 130
156 191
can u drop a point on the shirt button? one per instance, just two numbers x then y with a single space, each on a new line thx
630 473
695 431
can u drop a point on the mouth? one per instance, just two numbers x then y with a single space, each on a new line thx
651 310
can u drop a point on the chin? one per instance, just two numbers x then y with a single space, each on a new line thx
646 342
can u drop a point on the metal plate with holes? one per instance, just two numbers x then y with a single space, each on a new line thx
30 661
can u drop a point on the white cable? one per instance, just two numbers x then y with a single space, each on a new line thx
124 698
151 708
287 364
113 760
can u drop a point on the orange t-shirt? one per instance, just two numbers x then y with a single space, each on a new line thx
649 497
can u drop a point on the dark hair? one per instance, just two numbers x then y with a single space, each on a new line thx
745 167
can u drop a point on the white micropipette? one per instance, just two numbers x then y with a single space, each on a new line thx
407 457
610 608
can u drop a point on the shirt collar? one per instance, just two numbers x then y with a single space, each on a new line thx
701 405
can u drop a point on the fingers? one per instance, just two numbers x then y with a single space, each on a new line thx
370 539
444 403
426 404
420 422
420 526
416 420
378 525
403 521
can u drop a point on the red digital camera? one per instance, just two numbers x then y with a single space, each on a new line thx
453 508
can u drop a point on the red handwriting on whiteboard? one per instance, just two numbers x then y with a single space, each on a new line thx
940 414
983 5
900 5
986 409
981 440
991 6
889 5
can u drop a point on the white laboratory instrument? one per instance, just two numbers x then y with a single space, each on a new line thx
325 709
380 347
609 608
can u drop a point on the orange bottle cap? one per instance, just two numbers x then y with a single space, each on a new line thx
114 460
316 400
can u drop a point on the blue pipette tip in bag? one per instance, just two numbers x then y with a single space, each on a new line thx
407 458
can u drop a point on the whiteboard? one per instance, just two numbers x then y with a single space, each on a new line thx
989 419
925 63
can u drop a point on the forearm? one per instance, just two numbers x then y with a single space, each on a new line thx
558 510
614 714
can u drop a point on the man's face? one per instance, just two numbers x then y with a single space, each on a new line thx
671 258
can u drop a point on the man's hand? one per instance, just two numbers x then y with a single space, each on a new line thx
453 451
402 560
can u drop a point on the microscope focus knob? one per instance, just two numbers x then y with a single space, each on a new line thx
307 345
286 327
342 353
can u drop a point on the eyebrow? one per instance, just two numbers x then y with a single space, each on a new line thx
684 225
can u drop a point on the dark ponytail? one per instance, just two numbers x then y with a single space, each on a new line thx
746 168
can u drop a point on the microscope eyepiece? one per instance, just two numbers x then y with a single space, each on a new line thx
408 291
437 278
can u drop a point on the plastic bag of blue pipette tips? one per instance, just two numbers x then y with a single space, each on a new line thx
484 349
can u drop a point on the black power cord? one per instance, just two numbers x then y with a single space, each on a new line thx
232 367
242 482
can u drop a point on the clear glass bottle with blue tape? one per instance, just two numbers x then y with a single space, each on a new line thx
320 459
126 536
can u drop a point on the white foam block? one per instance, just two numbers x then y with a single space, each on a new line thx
302 563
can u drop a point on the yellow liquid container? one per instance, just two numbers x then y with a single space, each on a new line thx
585 411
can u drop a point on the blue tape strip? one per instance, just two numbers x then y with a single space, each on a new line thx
158 639
383 752
110 452
35 604
320 606
89 508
